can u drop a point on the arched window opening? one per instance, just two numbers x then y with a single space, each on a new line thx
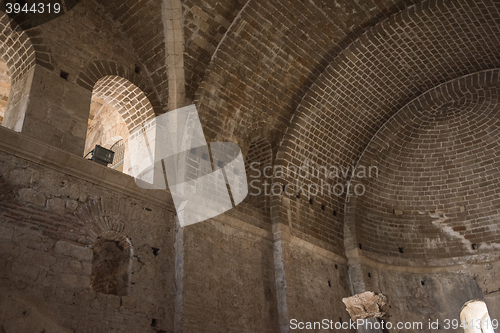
16 68
4 88
111 265
258 167
475 318
117 107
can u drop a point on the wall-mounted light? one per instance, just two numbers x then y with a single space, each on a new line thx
102 155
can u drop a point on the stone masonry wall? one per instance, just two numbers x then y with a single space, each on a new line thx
315 293
434 295
48 227
211 276
228 283
82 35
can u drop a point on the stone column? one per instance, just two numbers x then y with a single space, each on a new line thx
280 229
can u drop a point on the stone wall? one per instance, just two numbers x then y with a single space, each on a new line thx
417 294
88 35
228 280
315 293
66 57
60 215
301 81
48 229
141 24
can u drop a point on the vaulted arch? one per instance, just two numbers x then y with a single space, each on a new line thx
436 195
384 69
99 70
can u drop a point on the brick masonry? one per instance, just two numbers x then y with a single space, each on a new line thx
269 58
437 160
126 98
258 167
288 81
17 49
142 25
48 229
384 69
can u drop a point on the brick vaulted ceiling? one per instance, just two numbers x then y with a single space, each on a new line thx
387 67
315 78
438 160
249 65
272 53
249 61
141 21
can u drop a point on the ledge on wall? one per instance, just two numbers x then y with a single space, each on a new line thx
25 147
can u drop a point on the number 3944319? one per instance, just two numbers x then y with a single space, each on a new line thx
36 8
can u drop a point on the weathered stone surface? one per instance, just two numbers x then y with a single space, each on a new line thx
71 205
33 197
51 251
73 250
56 205
366 305
9 250
28 313
241 279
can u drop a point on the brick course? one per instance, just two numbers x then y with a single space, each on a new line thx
384 69
16 49
438 165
